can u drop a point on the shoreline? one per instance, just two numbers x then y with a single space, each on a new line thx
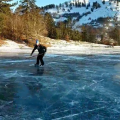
61 48
20 53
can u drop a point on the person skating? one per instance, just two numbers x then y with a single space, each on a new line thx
42 50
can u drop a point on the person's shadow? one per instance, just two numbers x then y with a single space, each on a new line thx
40 71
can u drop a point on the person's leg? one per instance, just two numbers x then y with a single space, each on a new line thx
41 59
37 61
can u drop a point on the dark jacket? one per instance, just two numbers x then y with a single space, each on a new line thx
41 49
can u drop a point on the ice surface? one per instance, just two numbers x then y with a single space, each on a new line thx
68 87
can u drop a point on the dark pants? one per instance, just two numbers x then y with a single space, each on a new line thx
40 57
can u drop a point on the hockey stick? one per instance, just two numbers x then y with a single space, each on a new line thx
33 56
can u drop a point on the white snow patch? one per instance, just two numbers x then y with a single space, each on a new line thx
62 47
14 47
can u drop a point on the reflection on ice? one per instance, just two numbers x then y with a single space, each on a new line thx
67 87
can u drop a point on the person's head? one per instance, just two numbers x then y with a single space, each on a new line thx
37 42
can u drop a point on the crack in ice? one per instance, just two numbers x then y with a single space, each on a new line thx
73 115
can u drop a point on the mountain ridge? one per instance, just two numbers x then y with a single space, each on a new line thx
85 11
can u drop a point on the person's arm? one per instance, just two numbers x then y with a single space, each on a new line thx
35 47
44 49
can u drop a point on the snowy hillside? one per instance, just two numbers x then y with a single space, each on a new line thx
85 11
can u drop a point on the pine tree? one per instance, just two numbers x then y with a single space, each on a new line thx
118 2
84 33
50 25
27 5
66 3
60 5
5 6
103 1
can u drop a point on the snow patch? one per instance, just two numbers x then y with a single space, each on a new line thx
62 47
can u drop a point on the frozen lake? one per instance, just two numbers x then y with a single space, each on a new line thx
68 87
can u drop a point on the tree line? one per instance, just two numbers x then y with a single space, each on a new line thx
28 22
24 23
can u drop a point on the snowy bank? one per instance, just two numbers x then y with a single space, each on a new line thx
72 47
13 47
62 47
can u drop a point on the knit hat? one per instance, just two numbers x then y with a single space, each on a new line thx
37 41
